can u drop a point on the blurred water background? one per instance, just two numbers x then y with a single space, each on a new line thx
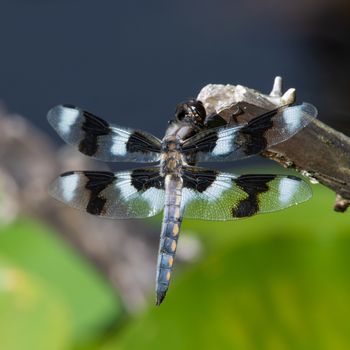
69 281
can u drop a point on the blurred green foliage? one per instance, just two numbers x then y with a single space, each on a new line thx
275 281
32 315
37 258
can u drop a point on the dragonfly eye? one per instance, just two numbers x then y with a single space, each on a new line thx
198 110
191 111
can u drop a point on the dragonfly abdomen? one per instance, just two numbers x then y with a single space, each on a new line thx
169 235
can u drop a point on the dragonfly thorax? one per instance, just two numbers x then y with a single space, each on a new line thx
171 157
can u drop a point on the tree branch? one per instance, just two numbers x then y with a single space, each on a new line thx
318 151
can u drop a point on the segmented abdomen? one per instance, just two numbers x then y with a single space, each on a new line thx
170 233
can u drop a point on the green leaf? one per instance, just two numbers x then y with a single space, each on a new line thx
31 315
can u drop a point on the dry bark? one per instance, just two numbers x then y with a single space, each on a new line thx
318 151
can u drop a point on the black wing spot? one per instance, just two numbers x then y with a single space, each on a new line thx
253 185
205 144
93 127
209 143
140 143
143 179
246 207
255 132
97 182
199 179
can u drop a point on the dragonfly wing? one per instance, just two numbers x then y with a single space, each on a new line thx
97 138
128 194
232 143
212 195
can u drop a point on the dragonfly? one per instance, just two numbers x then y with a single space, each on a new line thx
174 183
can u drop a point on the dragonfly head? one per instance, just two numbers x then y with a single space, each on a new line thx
191 112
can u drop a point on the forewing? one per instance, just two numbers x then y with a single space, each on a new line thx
211 195
137 193
96 138
231 143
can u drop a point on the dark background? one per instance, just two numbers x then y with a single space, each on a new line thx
131 62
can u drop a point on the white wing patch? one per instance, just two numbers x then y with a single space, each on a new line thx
67 117
119 142
69 184
297 117
224 143
218 187
153 196
287 189
150 194
221 184
291 117
124 185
